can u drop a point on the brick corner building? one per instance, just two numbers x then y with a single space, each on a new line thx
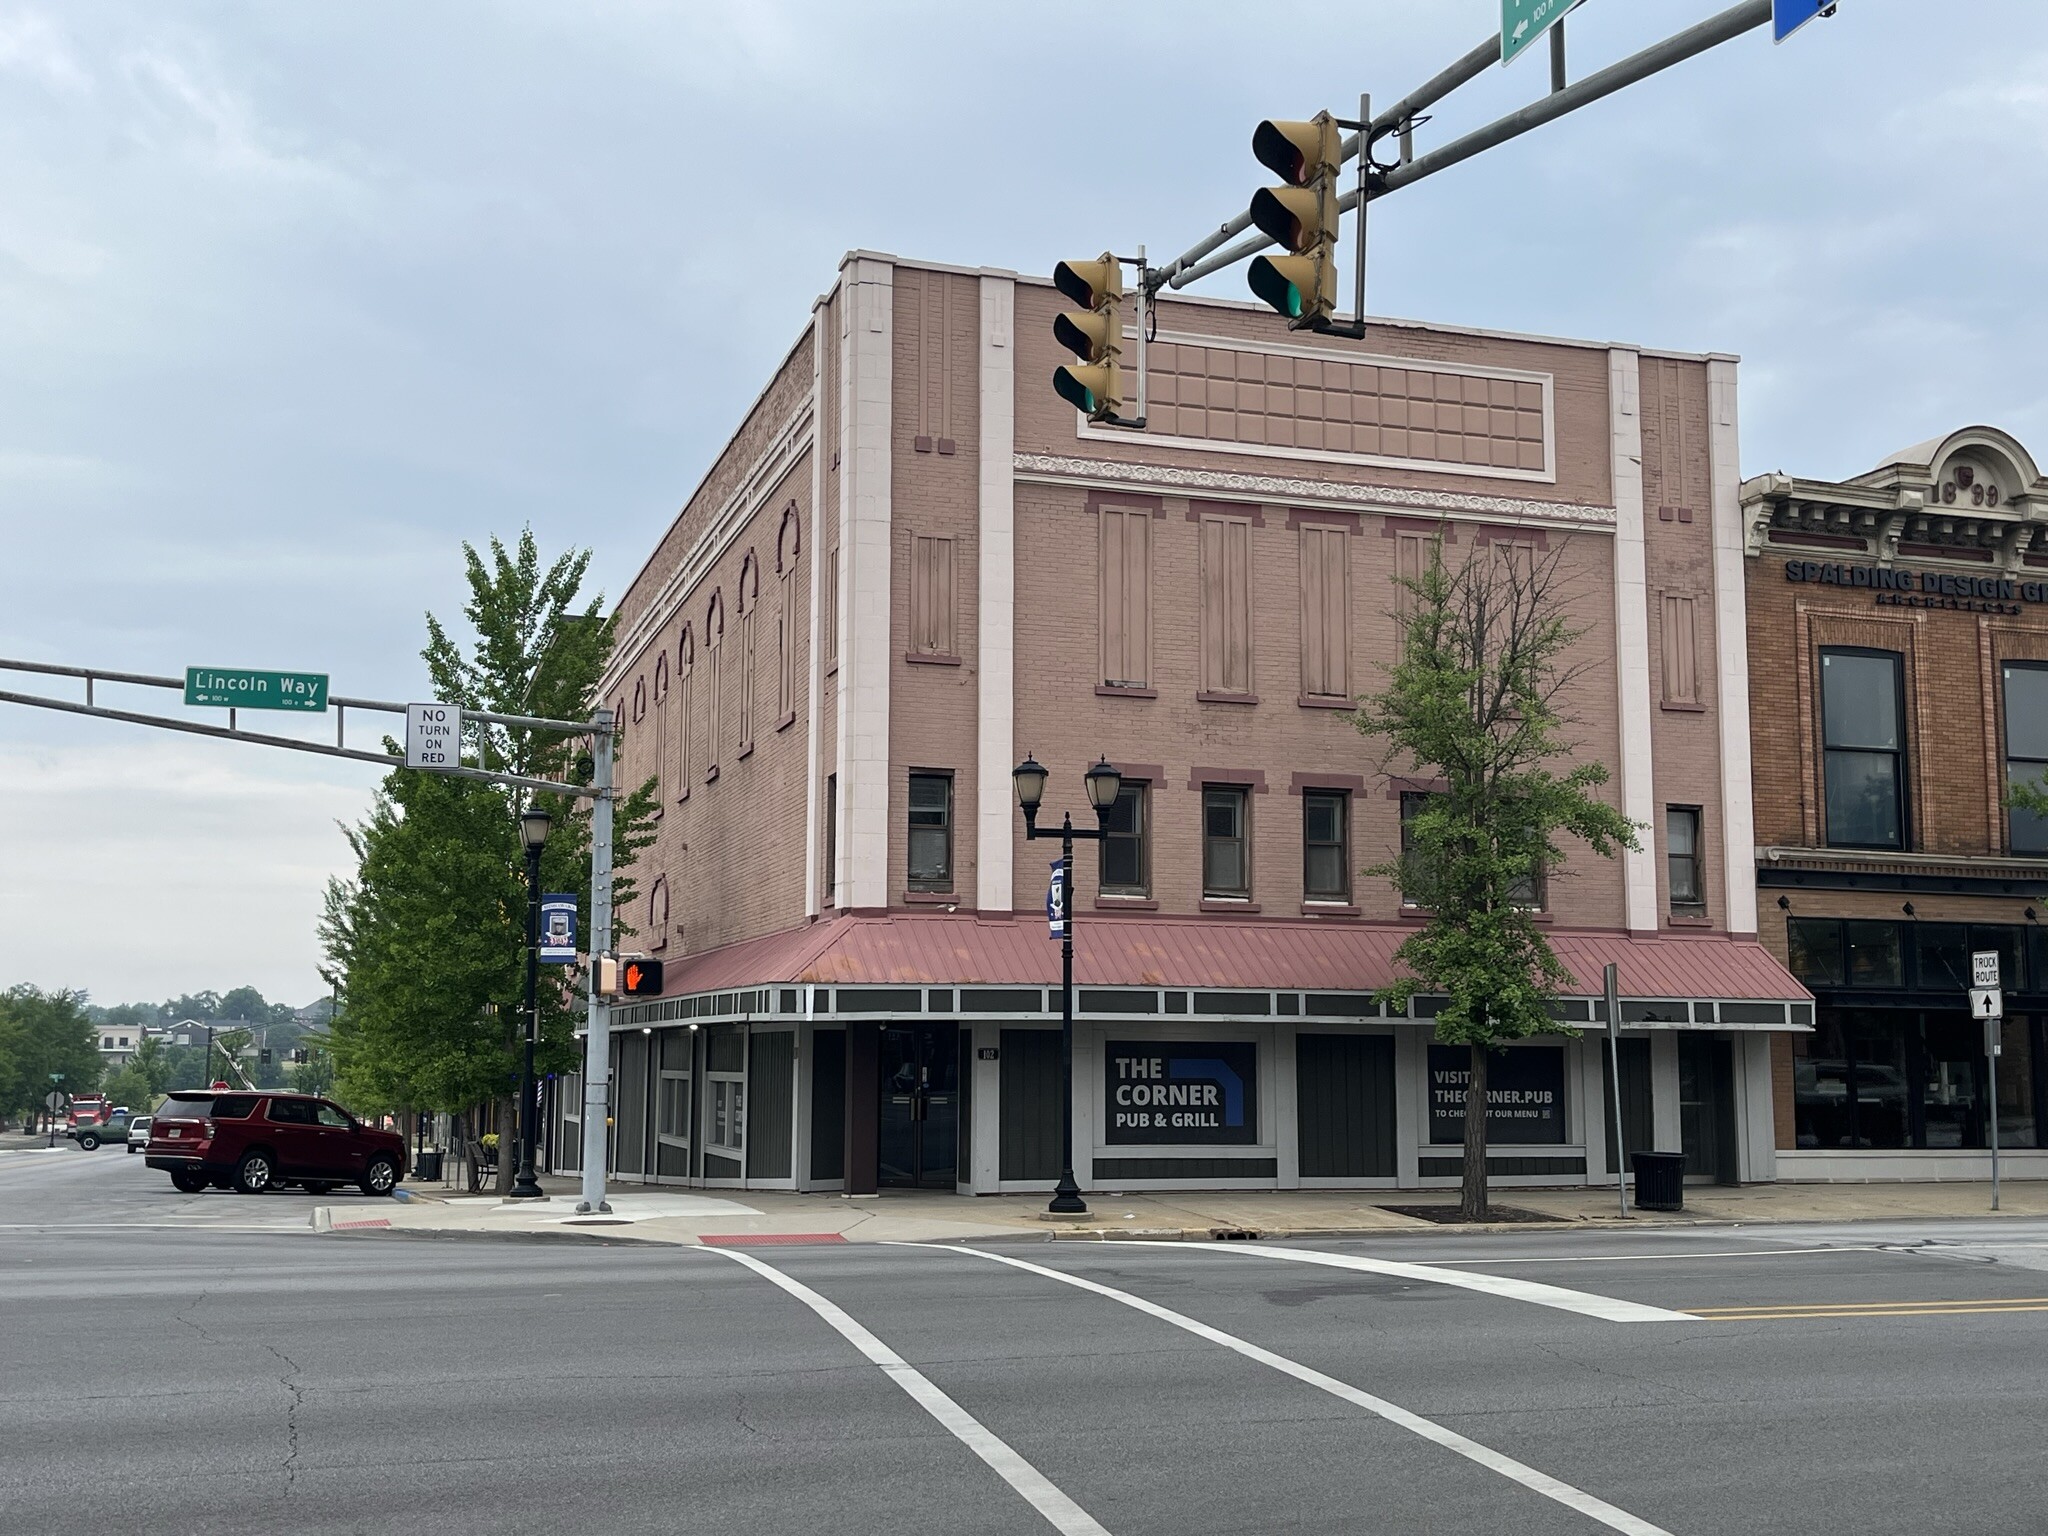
1899 625
912 564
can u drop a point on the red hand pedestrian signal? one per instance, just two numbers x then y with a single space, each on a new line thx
640 978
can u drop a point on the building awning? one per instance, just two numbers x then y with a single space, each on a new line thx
1128 950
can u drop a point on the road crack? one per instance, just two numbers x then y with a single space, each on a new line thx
289 1381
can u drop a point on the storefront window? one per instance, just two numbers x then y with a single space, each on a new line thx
2017 1126
1942 956
1815 947
2004 941
1875 957
1897 1079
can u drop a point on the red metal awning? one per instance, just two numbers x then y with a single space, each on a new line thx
1129 950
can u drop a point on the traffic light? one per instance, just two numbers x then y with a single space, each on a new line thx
1301 216
1095 335
640 978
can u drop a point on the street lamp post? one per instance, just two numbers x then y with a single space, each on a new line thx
1104 784
534 823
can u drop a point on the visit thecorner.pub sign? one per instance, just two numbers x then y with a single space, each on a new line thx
1923 589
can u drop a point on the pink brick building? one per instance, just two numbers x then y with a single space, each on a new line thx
912 565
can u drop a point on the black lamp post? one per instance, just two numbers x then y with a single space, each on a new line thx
1104 783
534 823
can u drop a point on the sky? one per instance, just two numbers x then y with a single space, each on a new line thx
297 297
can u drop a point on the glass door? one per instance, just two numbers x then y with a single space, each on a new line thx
920 1111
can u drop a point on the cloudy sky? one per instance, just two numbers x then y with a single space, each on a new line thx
296 296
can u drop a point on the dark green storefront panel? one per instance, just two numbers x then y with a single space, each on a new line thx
771 1104
1636 1126
828 1104
1109 1169
1030 1060
1344 1099
629 1112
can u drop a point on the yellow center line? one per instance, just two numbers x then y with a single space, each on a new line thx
1792 1311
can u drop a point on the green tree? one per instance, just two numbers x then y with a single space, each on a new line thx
2028 795
1476 701
41 1033
425 942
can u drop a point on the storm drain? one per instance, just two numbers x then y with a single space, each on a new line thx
1235 1234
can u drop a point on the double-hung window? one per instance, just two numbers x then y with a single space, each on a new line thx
1326 845
1863 743
1226 844
1126 845
931 831
2026 748
1413 803
1682 864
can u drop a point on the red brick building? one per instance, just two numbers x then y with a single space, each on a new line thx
1898 623
912 565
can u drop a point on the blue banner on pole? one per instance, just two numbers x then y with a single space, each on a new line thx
558 929
1056 901
1788 16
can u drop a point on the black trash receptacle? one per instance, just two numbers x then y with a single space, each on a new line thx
1660 1180
426 1167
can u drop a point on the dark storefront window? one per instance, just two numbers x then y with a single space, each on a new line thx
2026 747
1910 957
1864 748
1815 947
1874 954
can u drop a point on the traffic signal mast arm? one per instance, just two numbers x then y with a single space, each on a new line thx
1198 261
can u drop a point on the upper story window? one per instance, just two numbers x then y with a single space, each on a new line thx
1325 612
1413 803
1226 605
1325 845
1226 845
1683 867
931 597
2026 747
1127 843
1124 598
931 831
1863 746
1678 644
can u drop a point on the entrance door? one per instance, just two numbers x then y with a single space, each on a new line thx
1706 1106
920 1084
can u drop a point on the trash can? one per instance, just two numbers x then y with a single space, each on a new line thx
1660 1180
426 1167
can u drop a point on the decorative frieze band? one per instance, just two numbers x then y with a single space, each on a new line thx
1186 479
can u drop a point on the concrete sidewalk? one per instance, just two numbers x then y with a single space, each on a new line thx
711 1216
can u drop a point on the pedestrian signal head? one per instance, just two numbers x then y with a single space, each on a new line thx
639 978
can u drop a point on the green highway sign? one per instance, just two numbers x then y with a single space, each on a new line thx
1523 21
249 688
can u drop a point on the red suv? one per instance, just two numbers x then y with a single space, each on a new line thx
255 1142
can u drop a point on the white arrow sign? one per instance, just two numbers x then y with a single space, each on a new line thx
1987 1003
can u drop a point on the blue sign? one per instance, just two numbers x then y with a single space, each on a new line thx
1788 16
1056 901
1180 1092
558 929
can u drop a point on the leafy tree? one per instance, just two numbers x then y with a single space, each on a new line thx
1475 700
2029 795
425 943
41 1033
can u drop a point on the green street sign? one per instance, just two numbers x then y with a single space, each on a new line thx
247 688
1523 21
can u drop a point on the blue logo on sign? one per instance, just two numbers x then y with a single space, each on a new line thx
1183 1067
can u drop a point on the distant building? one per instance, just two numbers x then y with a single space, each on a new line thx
118 1043
912 564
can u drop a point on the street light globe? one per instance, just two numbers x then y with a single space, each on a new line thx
1104 785
1029 777
534 823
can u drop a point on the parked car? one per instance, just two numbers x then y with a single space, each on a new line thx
256 1142
97 1126
138 1133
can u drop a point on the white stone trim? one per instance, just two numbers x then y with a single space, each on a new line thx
1731 648
866 373
1632 643
814 551
1226 485
996 643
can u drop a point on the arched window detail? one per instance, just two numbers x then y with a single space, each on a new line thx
789 540
714 689
657 914
685 713
750 605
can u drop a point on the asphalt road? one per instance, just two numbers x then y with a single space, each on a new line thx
173 1372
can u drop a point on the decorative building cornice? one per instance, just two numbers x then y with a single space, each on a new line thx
1459 505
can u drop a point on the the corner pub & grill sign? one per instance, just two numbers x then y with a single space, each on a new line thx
1177 1092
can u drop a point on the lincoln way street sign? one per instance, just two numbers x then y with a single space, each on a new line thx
251 688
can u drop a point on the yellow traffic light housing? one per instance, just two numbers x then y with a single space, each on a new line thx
1300 216
1095 335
